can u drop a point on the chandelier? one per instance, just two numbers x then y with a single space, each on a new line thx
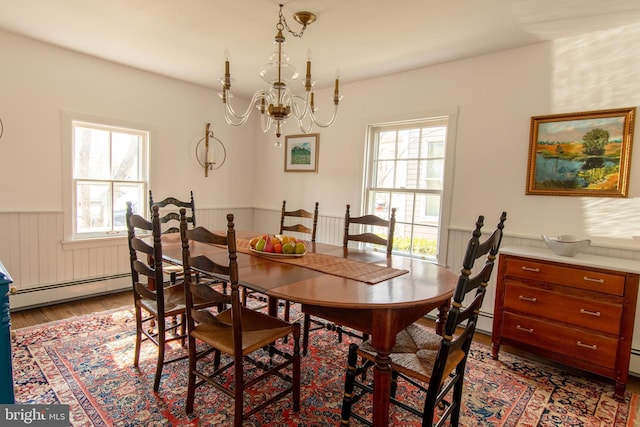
277 103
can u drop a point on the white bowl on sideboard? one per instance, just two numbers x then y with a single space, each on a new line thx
566 244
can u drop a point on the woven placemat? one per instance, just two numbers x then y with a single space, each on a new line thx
329 264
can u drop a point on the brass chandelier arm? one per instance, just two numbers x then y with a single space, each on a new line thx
230 114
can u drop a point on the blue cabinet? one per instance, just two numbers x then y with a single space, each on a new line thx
6 367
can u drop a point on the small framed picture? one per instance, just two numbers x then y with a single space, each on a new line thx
584 154
301 153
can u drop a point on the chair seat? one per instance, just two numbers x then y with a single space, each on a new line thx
174 303
415 352
258 330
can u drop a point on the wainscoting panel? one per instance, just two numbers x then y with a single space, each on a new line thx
47 270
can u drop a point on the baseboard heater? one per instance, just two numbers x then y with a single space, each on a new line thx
72 283
38 296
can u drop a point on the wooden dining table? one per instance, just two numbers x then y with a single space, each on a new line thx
361 289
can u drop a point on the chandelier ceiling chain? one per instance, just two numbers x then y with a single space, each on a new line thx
278 102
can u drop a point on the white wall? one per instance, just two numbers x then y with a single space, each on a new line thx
38 82
496 95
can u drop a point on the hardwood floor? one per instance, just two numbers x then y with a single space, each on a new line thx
65 310
36 316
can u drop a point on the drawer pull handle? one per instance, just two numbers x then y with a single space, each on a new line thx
530 299
591 279
535 270
520 328
591 347
592 313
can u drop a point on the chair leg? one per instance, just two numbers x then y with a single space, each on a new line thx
161 346
183 329
305 334
287 307
216 360
296 367
394 383
139 326
349 381
238 392
191 377
457 396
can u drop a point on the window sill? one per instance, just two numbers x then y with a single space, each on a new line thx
98 242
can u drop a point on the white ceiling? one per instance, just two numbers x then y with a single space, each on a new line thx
186 39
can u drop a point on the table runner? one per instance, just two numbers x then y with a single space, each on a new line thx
336 266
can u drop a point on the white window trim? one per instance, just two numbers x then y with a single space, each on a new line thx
447 193
66 136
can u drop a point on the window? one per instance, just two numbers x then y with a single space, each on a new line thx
406 171
109 168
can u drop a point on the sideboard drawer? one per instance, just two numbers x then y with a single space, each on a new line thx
575 343
572 309
608 283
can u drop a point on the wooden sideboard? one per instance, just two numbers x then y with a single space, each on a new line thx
578 311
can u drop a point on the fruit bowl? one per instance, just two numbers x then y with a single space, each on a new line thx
566 245
278 245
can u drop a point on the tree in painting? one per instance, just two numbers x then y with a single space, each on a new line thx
594 142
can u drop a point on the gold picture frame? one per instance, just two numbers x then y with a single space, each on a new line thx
301 153
584 154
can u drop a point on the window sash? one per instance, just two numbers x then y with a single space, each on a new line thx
109 167
406 170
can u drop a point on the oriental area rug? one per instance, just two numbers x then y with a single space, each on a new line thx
86 362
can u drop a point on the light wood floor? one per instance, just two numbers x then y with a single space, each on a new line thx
36 316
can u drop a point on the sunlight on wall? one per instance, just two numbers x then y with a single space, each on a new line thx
599 71
612 218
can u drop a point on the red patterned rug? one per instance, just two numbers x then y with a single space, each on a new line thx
86 362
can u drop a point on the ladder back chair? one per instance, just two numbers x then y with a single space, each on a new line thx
170 223
299 214
371 223
238 332
434 364
154 301
299 228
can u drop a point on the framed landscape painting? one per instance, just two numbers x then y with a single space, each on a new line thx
301 153
581 154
